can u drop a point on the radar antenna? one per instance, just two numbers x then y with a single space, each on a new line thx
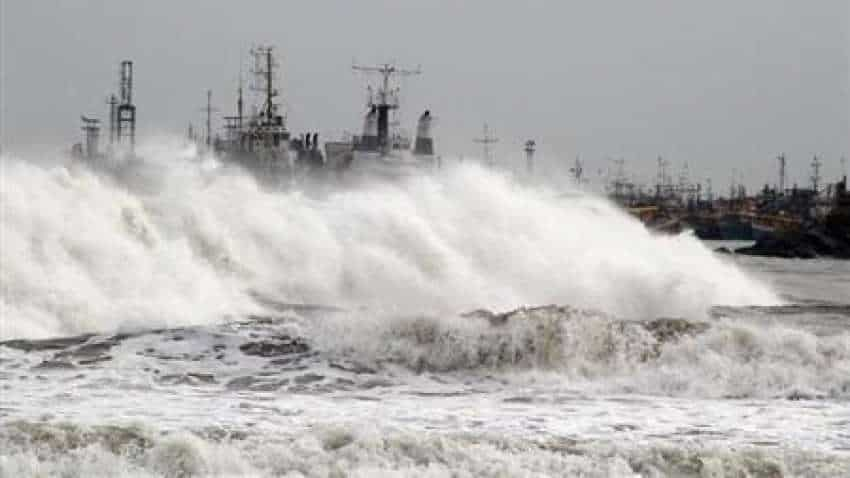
386 94
386 98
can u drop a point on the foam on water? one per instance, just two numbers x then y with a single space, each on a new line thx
598 353
72 451
176 241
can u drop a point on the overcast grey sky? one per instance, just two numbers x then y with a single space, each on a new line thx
720 84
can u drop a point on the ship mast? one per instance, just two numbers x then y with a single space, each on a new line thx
240 106
529 149
577 170
487 140
208 110
386 71
125 112
264 71
782 162
816 164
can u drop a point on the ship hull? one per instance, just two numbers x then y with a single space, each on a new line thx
395 165
271 170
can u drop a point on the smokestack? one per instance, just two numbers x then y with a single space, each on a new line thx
424 143
370 130
383 125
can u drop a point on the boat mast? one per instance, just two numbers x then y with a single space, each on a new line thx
239 105
264 70
487 140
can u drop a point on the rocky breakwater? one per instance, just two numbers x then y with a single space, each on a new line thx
829 238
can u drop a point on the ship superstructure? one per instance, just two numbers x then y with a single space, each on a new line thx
261 141
384 148
122 127
256 136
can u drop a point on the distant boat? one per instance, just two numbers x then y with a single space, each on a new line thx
384 149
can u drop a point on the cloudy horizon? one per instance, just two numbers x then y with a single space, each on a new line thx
720 86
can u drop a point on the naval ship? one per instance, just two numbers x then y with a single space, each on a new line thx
384 149
261 142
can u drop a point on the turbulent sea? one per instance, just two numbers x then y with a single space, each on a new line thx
173 319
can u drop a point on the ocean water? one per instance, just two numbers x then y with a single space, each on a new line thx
174 319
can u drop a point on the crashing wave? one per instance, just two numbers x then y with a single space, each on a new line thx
38 449
84 253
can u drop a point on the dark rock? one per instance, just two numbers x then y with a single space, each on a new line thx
665 330
282 345
723 250
814 241
46 344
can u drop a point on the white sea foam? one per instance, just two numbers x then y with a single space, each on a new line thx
594 352
44 450
176 241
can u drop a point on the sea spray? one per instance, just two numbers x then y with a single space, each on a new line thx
184 240
595 352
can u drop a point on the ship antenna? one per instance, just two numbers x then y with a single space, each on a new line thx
816 163
209 110
239 101
487 140
263 71
387 97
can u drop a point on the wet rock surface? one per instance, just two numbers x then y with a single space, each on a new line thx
191 378
59 343
665 330
274 347
830 239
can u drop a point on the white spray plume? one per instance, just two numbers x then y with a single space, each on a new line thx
181 241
